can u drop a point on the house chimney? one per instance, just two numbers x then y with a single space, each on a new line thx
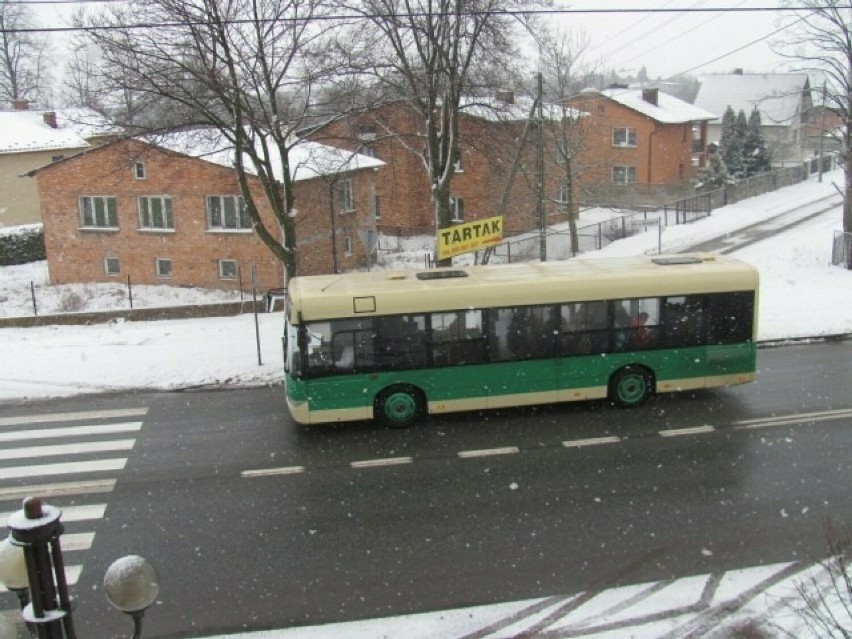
650 96
49 118
20 105
505 96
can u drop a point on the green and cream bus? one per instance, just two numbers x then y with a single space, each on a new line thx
395 345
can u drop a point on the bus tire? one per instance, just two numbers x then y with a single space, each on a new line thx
399 406
631 386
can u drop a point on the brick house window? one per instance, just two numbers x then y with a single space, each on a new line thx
624 175
345 196
155 212
562 194
227 213
377 207
228 269
457 161
347 245
98 212
163 267
624 136
456 209
139 170
112 266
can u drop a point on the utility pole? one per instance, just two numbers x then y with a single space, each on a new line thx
822 131
542 218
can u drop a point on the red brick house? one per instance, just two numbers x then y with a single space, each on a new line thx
490 131
136 209
639 140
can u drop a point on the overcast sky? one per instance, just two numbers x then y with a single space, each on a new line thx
671 43
666 43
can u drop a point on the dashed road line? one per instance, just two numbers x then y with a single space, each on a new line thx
697 430
591 441
269 472
386 461
488 452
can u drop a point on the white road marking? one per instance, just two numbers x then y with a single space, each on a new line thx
72 576
269 472
488 452
67 468
72 513
698 430
592 441
73 431
67 449
58 489
67 417
76 541
783 420
387 461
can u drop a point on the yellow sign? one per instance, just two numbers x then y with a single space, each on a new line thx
470 236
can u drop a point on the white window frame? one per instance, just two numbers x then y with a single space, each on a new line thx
98 212
146 214
456 209
629 134
628 173
161 262
217 219
347 245
345 196
139 172
110 261
562 194
226 276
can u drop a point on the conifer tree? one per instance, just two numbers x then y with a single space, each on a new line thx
730 145
714 175
755 153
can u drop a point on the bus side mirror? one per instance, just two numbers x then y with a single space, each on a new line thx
302 338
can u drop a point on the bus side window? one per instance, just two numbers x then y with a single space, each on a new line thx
684 321
730 317
457 338
401 341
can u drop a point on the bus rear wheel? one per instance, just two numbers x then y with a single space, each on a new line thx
630 386
399 406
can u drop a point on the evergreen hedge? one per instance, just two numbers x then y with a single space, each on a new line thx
22 245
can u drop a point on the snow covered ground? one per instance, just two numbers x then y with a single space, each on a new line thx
801 296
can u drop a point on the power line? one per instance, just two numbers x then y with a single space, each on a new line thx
355 16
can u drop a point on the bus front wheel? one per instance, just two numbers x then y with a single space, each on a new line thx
399 406
630 386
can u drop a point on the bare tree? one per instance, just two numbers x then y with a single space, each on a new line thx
250 69
24 55
563 66
820 42
431 53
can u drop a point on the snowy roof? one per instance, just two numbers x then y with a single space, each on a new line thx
668 110
307 159
777 96
23 131
518 109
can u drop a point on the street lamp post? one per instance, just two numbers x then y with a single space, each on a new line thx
36 528
32 566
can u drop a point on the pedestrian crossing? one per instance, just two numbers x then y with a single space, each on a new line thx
70 460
